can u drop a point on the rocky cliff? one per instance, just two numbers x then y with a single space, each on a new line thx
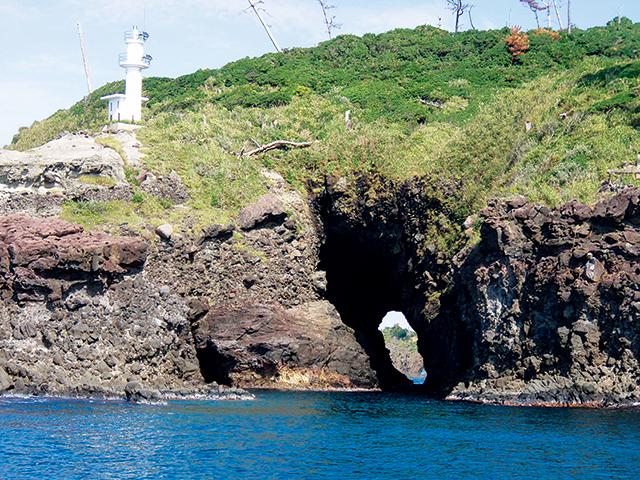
290 293
547 306
165 314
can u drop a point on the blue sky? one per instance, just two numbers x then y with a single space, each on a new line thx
41 67
395 318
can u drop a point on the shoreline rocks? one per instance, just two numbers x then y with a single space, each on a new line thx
547 301
258 345
544 310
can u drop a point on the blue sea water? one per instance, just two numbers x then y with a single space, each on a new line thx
303 435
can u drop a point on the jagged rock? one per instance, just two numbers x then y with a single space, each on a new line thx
197 309
319 280
36 249
268 209
547 301
5 380
136 393
165 188
215 231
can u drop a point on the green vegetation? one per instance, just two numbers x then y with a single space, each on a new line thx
96 214
112 143
403 349
425 102
94 179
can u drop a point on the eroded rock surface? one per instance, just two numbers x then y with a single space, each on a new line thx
59 164
80 317
544 310
45 259
258 345
548 306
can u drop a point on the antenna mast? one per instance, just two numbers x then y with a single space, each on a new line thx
84 59
266 27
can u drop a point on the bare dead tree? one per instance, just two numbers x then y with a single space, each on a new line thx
277 144
458 8
266 27
569 16
547 6
330 22
470 19
535 7
84 59
555 5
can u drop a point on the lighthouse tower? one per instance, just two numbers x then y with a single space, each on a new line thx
128 105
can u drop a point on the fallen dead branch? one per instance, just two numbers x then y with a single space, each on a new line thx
277 144
430 103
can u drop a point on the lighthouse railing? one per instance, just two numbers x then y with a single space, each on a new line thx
136 35
145 59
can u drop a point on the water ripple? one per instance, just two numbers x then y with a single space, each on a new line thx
313 436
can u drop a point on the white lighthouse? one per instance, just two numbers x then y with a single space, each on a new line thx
128 105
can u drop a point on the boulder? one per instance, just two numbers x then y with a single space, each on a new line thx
5 380
164 231
261 345
215 231
268 209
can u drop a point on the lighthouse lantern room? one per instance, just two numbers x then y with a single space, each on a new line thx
128 105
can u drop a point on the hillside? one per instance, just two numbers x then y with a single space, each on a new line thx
403 349
424 102
468 189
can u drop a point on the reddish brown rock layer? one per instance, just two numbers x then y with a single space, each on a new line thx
259 345
40 258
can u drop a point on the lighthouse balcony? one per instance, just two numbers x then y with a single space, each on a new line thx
143 61
136 35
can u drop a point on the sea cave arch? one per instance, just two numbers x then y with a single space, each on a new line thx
380 254
361 286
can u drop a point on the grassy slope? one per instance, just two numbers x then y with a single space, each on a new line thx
403 349
580 93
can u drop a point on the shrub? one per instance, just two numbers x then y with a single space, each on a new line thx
518 41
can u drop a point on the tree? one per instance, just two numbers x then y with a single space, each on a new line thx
458 8
518 41
266 27
568 16
329 21
535 7
555 5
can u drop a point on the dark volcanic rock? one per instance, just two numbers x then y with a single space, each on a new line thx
256 345
165 188
215 231
546 308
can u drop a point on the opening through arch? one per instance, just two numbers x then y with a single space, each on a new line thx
402 342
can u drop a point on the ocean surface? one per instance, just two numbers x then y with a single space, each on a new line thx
290 435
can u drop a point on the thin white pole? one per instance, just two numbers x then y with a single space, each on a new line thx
266 27
84 59
555 4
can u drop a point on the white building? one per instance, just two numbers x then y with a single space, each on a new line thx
128 105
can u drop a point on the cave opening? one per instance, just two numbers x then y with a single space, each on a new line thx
402 342
362 287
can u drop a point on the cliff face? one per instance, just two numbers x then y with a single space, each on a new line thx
544 309
240 305
548 305
79 316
